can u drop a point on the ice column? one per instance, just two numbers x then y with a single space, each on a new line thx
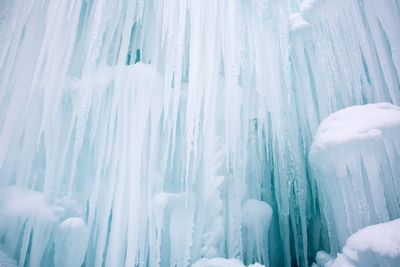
354 160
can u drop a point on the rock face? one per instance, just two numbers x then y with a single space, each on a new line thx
354 160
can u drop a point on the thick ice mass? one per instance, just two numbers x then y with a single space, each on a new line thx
354 159
175 132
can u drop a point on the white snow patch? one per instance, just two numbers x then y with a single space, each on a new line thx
381 239
375 245
355 123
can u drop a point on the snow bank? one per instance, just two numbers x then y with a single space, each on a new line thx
375 245
354 160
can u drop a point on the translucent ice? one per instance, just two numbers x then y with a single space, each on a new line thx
70 243
354 159
6 260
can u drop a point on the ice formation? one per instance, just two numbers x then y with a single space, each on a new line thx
6 260
170 132
354 159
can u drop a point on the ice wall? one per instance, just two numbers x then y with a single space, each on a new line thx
157 160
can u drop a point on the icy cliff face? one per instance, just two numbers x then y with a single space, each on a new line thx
166 132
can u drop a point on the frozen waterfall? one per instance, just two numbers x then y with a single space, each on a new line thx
180 132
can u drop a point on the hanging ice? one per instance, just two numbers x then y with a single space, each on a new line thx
170 132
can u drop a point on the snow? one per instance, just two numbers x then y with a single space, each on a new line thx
380 239
357 123
375 245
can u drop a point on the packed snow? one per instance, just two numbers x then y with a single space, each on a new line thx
357 124
375 245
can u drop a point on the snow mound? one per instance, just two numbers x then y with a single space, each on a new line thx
354 160
357 123
375 245
381 239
